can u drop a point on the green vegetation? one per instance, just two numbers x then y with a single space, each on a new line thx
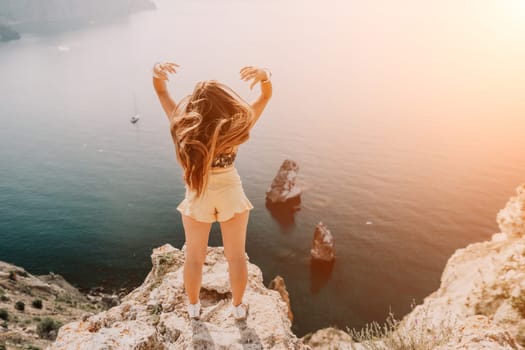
20 306
31 347
45 327
4 298
423 335
157 309
37 303
4 315
22 273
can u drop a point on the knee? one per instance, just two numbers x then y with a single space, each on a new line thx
196 260
235 258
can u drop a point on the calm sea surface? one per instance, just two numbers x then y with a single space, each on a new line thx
408 116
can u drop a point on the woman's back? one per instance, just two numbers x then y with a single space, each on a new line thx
225 159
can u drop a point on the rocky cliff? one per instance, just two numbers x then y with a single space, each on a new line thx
153 316
483 287
480 303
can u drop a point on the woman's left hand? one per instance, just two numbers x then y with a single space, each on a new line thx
251 72
161 70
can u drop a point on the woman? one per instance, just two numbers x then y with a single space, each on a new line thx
207 128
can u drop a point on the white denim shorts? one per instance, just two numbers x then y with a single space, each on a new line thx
223 197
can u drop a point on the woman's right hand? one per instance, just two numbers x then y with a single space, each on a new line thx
161 70
251 72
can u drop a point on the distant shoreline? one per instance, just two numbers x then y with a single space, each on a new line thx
14 23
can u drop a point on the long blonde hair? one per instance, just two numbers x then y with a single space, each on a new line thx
211 120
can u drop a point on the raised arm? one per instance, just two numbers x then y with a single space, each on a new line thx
259 75
160 76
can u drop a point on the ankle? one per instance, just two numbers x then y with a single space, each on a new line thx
237 303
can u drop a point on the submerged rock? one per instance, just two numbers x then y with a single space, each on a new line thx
322 243
154 316
284 186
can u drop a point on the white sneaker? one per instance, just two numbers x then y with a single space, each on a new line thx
194 310
240 312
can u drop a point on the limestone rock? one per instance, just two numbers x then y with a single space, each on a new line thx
154 316
322 243
477 332
278 284
329 338
511 219
284 186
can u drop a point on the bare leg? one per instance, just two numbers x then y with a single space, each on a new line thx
196 233
234 240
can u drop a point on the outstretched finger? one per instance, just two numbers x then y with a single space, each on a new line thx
248 71
246 68
248 76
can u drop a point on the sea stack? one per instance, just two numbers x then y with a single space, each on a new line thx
322 243
284 186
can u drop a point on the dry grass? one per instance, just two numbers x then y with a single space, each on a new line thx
423 335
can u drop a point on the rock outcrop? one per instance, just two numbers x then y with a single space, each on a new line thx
278 284
481 301
154 316
284 186
322 243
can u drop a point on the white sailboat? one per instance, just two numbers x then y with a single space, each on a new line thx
136 117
